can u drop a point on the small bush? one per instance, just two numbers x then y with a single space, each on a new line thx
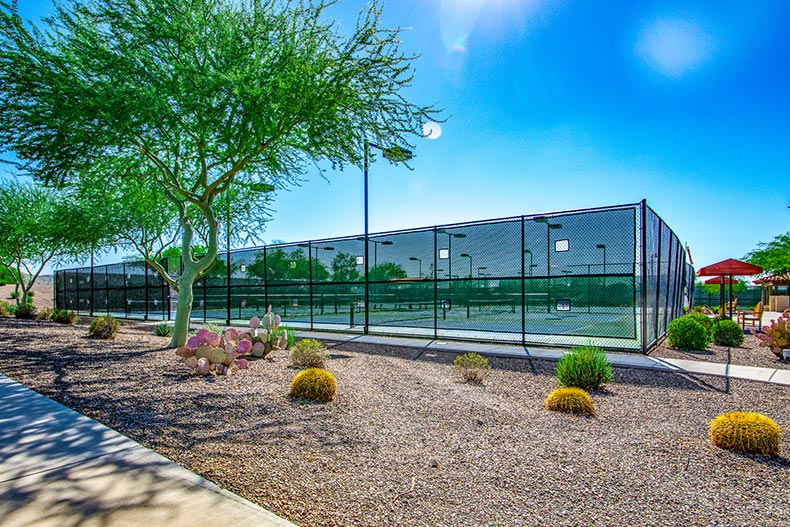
585 367
570 401
26 312
704 320
309 353
104 327
314 384
64 316
212 327
163 330
747 432
45 314
290 333
727 333
5 309
687 334
472 367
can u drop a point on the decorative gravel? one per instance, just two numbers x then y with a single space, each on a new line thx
750 353
406 443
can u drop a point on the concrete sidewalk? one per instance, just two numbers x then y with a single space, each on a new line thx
625 360
59 468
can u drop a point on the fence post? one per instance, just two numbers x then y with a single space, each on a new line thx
310 277
227 284
643 241
92 297
435 284
523 290
265 281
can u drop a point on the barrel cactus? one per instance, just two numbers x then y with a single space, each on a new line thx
746 432
570 400
314 384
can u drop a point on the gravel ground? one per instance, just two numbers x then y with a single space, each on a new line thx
406 443
749 354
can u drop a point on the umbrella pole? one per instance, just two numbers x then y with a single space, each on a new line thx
730 297
721 297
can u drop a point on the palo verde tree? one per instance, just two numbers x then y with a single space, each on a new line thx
40 226
773 256
199 97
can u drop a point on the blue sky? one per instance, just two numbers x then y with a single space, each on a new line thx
574 104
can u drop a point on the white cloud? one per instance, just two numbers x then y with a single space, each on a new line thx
674 47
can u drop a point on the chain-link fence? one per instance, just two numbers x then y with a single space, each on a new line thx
613 277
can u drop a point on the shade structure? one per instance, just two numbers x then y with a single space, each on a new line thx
720 280
730 267
725 270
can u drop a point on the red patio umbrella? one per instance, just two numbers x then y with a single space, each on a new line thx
720 280
729 268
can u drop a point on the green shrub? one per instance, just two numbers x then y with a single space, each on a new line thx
570 400
64 316
212 327
687 334
5 309
314 384
163 330
309 353
585 367
747 432
727 333
290 333
104 327
704 320
26 312
45 314
472 367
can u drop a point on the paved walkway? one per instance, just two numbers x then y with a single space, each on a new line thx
59 468
627 360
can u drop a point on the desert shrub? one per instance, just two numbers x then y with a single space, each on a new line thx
472 367
309 353
704 320
290 334
687 334
727 333
570 401
314 384
747 432
64 316
45 314
163 330
585 367
104 327
212 327
5 309
26 312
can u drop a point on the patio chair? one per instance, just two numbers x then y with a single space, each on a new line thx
729 307
753 317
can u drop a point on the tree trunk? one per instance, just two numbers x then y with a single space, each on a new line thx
183 310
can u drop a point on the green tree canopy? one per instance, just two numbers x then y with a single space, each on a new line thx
344 268
773 256
40 226
199 98
387 271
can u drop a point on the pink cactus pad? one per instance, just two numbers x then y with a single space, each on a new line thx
202 334
277 320
212 339
229 346
255 322
203 366
245 336
185 351
258 347
231 334
191 362
242 364
193 342
245 346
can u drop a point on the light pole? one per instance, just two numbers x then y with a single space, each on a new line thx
395 154
603 246
450 236
415 259
465 255
549 226
531 265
